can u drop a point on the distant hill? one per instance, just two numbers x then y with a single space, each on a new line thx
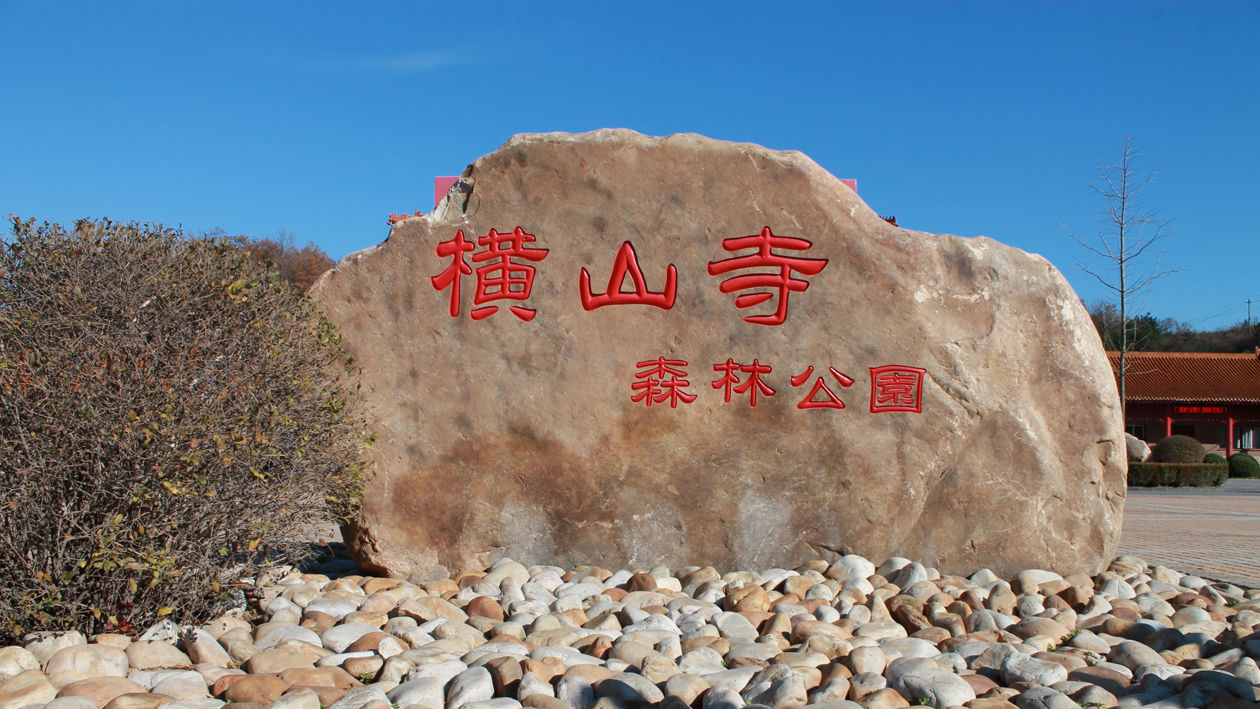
1148 333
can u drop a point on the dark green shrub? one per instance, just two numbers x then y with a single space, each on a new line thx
1177 474
1243 465
169 411
1177 449
1214 458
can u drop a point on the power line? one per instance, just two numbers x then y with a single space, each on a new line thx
1216 313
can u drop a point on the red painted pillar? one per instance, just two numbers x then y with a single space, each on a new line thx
1167 421
1229 437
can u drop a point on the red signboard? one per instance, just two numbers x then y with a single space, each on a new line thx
1199 410
442 185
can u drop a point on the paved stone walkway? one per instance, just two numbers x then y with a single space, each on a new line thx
1210 532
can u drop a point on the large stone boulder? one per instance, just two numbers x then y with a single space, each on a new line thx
577 421
1137 449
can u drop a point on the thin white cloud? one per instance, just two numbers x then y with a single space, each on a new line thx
413 62
406 63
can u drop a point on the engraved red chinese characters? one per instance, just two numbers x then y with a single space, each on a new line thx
820 386
896 387
780 282
450 277
501 278
661 380
627 263
729 381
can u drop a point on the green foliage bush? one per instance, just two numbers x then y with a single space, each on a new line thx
1177 474
1214 458
1177 449
170 413
1243 465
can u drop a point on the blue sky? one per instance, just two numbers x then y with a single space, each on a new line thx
970 118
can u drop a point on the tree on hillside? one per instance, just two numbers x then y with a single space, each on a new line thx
1147 333
1150 334
1125 243
299 266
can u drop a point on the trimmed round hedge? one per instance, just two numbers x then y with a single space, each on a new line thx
1177 449
1243 465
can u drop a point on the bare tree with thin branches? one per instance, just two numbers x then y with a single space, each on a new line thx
1129 232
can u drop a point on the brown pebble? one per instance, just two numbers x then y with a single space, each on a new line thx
320 677
641 582
778 624
220 685
542 701
368 642
834 670
1126 613
138 700
468 579
932 634
776 598
595 646
1067 661
910 618
591 673
373 584
485 607
750 597
1189 599
886 698
1052 587
327 695
757 618
376 618
440 587
364 669
1118 627
689 644
1005 693
972 598
979 683
1077 597
812 604
547 668
505 673
256 688
577 615
1056 603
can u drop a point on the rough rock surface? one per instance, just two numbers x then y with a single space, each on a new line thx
503 436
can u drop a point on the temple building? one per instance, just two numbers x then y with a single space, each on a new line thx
1214 398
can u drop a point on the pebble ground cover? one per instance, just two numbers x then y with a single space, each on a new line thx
841 635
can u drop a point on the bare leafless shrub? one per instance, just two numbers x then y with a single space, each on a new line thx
169 410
